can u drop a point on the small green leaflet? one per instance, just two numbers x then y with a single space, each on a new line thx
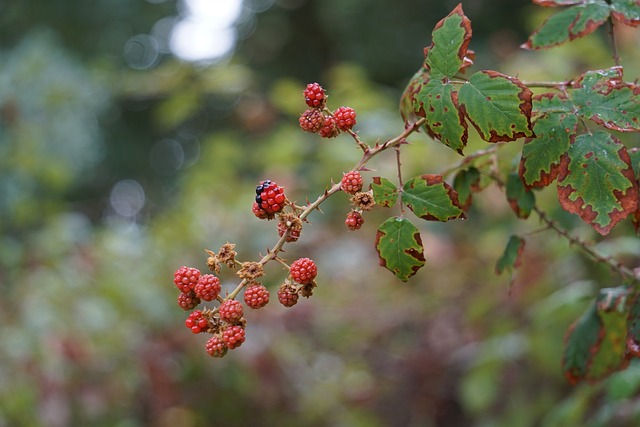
445 122
603 97
400 247
408 112
450 40
581 19
541 155
465 183
520 198
498 106
569 24
430 198
596 344
511 258
597 182
385 193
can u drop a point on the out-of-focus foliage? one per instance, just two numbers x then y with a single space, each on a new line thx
117 168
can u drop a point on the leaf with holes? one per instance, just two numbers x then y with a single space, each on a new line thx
450 40
400 247
430 198
465 183
603 97
626 11
445 122
597 182
569 24
511 258
385 193
539 165
520 198
498 106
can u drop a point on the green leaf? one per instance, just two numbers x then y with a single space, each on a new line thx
572 23
408 111
634 155
450 40
555 3
520 198
551 102
430 198
626 11
465 183
399 247
603 97
633 324
597 182
581 338
445 122
498 106
511 258
385 193
541 155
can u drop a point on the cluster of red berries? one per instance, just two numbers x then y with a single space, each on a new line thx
227 323
270 197
301 281
321 121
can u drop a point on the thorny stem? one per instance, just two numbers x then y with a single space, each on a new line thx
587 247
400 183
369 153
614 45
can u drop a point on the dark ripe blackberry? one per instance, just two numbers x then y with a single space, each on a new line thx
263 184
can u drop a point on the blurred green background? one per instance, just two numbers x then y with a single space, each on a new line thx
132 134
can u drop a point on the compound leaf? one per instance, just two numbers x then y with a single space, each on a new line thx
430 198
597 182
541 155
498 106
626 11
569 24
450 40
511 258
520 198
465 183
400 247
385 193
445 122
603 97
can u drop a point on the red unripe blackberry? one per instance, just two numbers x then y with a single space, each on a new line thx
351 182
188 300
303 270
196 322
287 295
270 197
216 346
208 287
354 220
230 311
233 336
314 96
256 296
311 120
329 128
259 212
345 118
185 278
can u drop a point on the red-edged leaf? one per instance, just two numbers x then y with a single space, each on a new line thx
430 198
450 40
498 106
556 3
603 97
569 24
408 112
400 247
597 181
596 344
555 129
511 258
445 122
520 198
385 193
465 183
626 11
634 154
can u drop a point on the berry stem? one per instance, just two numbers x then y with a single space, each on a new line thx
400 182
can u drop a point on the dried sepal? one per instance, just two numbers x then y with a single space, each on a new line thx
363 200
250 270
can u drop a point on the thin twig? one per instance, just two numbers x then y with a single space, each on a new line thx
471 157
614 45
